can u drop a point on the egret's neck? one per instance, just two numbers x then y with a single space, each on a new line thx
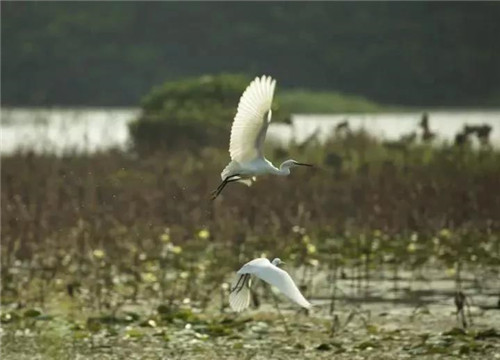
284 169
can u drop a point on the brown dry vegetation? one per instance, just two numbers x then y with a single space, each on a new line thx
87 236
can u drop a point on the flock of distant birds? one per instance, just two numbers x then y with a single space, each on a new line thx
248 133
482 133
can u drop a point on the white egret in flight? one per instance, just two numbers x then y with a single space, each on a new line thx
248 133
239 298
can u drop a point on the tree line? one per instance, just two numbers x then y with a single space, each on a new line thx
112 53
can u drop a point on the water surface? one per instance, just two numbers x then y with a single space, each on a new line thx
92 129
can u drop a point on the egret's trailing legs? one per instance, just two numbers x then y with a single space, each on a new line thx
223 184
242 281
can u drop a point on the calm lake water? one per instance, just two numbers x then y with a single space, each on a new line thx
92 129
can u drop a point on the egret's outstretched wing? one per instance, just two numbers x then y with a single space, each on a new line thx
239 298
252 119
275 276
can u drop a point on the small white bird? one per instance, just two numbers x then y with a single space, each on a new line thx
248 133
239 298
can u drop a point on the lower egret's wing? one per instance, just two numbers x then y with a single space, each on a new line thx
276 277
239 298
252 119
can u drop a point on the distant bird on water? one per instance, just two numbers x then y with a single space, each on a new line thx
239 298
248 133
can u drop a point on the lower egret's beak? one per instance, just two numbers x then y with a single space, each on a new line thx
302 164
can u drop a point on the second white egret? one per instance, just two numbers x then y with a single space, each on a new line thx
239 298
248 133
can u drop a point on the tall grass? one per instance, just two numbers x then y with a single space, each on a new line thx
112 227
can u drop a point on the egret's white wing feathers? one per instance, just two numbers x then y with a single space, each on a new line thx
250 124
280 278
239 298
275 276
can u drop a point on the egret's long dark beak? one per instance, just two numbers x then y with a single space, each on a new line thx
302 164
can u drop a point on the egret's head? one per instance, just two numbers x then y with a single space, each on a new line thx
277 262
292 163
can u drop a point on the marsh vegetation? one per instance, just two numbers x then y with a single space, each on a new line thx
117 253
112 248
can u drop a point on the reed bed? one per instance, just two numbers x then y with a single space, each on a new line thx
363 202
99 232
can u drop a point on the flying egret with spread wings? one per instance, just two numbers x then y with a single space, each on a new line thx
248 133
239 298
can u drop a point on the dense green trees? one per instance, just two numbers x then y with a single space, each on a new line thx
193 112
111 53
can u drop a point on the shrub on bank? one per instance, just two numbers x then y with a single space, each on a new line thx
192 112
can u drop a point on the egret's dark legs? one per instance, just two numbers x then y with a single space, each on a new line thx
242 281
223 184
217 191
238 283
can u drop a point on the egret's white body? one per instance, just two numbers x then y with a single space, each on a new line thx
239 298
248 133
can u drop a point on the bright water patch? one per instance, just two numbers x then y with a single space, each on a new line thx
393 126
93 129
62 130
